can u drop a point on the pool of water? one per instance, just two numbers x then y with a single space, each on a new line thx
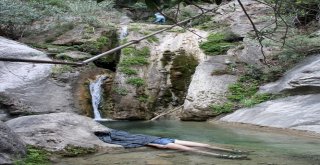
265 147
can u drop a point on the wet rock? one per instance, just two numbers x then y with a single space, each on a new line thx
11 146
295 112
55 131
302 79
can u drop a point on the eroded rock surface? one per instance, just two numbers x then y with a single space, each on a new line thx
55 131
28 88
206 89
295 112
304 78
11 146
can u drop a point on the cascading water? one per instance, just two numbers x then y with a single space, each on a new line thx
95 91
123 32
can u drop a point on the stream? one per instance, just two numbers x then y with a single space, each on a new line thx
267 147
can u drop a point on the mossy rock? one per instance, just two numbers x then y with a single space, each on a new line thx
183 67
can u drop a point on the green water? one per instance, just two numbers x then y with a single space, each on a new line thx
267 147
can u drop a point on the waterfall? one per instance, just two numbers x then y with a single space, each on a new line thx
123 32
95 91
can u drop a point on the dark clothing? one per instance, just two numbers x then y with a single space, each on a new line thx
125 139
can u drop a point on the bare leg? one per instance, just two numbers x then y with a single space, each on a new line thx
186 148
196 144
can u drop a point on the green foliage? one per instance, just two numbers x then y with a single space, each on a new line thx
153 39
72 151
121 91
134 57
256 99
16 16
136 81
95 47
35 156
143 98
222 108
128 71
243 93
133 61
219 43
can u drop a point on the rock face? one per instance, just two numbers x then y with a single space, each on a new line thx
27 88
206 89
304 78
295 112
15 75
11 146
57 130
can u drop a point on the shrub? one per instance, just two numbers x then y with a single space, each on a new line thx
128 71
15 17
222 108
34 156
219 43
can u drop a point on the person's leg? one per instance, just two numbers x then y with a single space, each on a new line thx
197 144
185 148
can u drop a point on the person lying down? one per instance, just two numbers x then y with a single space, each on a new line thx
128 140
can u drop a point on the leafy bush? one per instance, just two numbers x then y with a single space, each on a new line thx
223 108
15 17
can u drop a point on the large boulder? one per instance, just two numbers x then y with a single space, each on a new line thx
58 130
295 112
206 89
11 146
27 88
304 78
15 75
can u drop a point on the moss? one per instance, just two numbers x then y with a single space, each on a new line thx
143 98
95 47
59 69
73 151
167 57
183 67
136 81
165 99
35 156
121 91
134 61
219 43
128 71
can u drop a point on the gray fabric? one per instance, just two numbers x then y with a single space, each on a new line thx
125 139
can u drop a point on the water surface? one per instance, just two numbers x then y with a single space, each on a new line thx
268 147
